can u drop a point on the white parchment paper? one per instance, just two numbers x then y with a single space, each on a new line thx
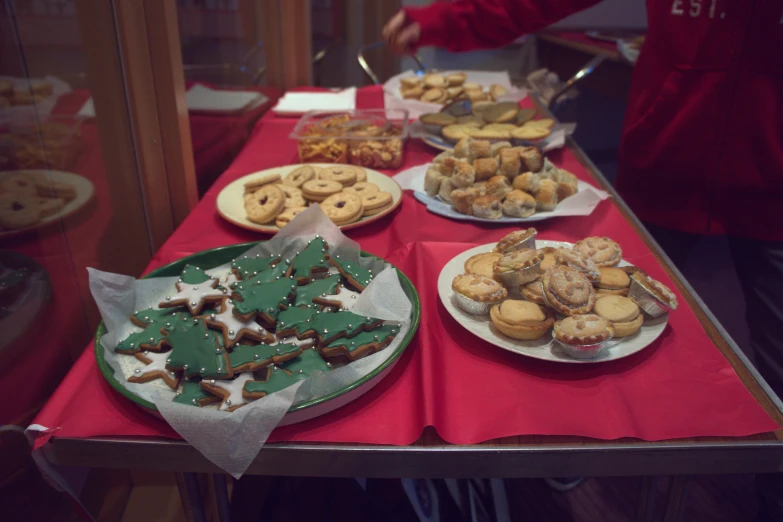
231 440
392 98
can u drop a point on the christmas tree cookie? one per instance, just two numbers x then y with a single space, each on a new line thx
157 315
294 320
197 352
278 378
328 326
234 328
344 299
362 344
152 338
246 267
356 275
311 262
317 290
248 358
193 275
229 392
266 276
192 393
264 301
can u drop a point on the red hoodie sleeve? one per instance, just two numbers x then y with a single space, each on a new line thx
464 25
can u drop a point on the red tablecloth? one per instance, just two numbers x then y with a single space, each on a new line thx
470 391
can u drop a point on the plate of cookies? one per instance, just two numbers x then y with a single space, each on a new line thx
351 196
556 301
30 199
499 183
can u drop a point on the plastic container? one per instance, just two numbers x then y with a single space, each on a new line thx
372 138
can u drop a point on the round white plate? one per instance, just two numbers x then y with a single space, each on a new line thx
231 204
545 348
84 191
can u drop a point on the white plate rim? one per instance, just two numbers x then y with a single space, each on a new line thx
541 349
227 200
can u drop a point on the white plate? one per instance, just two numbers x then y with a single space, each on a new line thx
84 191
580 204
545 348
231 205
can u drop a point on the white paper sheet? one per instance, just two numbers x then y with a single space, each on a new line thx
392 98
231 440
580 204
298 103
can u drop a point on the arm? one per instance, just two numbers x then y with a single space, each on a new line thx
463 25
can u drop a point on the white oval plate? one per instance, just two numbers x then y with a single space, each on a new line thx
84 191
545 348
231 204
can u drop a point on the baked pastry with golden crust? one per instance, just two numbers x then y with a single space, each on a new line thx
463 175
446 188
546 195
622 312
583 329
578 261
479 149
510 163
549 258
521 320
568 291
487 207
447 166
527 181
613 281
532 158
462 200
652 296
485 168
498 186
518 204
496 148
601 250
432 180
462 148
534 291
518 267
518 240
482 264
476 294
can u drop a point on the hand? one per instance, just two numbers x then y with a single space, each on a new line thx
401 37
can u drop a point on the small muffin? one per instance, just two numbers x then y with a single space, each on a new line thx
518 267
518 240
432 181
622 312
498 186
480 149
518 204
409 82
485 168
578 261
487 207
446 188
601 250
549 258
476 294
546 195
434 81
463 175
439 119
583 336
456 79
521 320
652 296
532 158
447 166
482 264
568 291
613 281
534 291
527 181
462 200
510 163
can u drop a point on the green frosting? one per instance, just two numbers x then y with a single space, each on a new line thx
247 266
313 256
193 275
192 393
266 276
378 335
276 380
157 315
352 270
264 298
329 324
197 351
296 318
306 363
306 293
259 355
152 334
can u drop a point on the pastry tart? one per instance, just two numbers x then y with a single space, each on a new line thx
476 294
518 204
614 281
652 296
549 258
583 336
568 291
622 312
601 250
521 319
534 291
518 267
482 264
578 261
518 240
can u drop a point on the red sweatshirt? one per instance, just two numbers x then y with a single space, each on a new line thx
702 144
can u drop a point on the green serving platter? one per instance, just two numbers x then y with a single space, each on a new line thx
298 412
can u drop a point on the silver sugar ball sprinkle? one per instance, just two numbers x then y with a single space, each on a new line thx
231 332
228 402
203 370
137 370
194 401
255 356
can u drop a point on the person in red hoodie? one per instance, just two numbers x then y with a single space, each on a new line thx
702 144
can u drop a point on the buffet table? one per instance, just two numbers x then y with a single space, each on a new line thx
455 406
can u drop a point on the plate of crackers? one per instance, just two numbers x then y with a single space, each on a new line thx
351 196
30 199
556 301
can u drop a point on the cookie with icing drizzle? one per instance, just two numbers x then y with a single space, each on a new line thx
235 328
197 352
356 275
362 344
280 378
264 301
266 276
246 267
316 290
193 275
248 358
193 394
229 392
329 326
311 262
